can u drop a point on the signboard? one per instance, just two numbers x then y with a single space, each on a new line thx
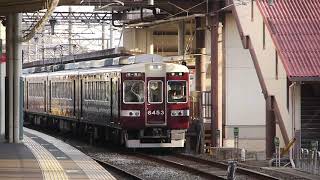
276 141
236 132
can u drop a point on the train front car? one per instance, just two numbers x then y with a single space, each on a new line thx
154 108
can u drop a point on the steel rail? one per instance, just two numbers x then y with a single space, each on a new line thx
179 166
240 170
117 169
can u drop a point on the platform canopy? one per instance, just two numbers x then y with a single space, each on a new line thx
13 6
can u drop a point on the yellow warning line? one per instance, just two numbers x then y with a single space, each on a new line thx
50 166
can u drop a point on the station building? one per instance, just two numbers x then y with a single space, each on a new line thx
268 68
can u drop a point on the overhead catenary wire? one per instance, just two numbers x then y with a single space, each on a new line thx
40 24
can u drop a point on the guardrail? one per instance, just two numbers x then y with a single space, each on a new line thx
308 160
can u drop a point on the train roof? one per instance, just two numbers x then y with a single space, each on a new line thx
44 74
100 70
141 67
63 73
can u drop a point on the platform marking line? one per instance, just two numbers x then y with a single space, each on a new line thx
90 167
50 166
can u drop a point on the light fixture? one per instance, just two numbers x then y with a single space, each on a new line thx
150 2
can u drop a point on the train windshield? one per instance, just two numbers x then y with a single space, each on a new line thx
155 93
133 91
177 91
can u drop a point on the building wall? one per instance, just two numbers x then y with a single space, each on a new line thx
252 25
245 105
138 40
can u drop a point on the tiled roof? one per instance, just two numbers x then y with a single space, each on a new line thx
295 29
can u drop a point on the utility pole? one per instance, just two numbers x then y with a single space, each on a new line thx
103 31
70 32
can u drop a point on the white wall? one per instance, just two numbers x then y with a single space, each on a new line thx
266 59
245 104
138 40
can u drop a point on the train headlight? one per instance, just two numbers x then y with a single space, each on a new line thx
155 67
180 113
130 113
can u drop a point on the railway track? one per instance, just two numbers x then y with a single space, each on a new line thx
204 168
118 170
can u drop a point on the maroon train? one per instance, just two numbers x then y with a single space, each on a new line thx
143 105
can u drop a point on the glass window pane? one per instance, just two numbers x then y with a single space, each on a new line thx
177 91
133 91
155 91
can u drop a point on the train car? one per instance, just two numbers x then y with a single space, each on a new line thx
143 105
35 95
154 106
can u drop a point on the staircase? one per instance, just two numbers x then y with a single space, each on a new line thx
310 120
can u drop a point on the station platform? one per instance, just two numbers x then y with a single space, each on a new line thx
40 156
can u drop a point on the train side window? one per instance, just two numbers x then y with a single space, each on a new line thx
85 90
155 94
99 90
177 91
89 90
133 92
107 91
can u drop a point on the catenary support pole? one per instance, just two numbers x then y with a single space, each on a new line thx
17 66
181 37
111 35
70 33
103 35
214 74
200 57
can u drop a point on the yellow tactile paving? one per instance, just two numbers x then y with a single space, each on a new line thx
50 166
91 168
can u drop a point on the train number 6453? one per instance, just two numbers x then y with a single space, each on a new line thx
156 112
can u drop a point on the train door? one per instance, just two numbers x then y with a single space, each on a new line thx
155 106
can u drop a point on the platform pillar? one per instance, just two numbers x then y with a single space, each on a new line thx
9 79
2 97
17 68
14 92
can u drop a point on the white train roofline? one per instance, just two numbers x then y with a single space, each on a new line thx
170 67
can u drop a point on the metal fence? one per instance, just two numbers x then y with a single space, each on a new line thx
201 106
308 160
206 106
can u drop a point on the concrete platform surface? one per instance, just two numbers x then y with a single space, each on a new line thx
294 172
44 157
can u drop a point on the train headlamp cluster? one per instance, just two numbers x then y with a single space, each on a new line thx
130 113
136 74
180 113
176 74
155 67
